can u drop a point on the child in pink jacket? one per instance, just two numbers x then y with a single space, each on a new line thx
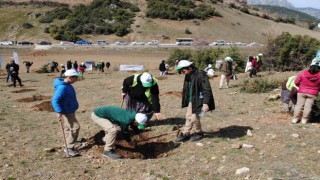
308 82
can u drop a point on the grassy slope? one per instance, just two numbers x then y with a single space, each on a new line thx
233 26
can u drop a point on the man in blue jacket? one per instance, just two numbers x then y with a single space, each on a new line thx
65 104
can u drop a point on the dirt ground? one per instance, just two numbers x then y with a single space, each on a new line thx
31 137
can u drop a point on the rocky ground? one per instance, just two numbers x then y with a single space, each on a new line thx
246 137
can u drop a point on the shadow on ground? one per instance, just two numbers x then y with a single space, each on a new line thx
168 121
231 132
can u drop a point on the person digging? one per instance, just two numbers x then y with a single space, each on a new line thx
114 119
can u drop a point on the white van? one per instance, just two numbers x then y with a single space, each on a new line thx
218 43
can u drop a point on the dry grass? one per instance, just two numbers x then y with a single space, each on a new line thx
25 132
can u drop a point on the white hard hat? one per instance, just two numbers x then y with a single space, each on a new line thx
229 59
183 64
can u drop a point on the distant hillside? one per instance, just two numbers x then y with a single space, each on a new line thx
281 3
311 11
288 13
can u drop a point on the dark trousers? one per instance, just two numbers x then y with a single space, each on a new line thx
8 75
14 79
253 72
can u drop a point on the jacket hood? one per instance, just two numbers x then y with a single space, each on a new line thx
58 82
311 77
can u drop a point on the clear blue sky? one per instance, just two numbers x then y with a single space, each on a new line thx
305 3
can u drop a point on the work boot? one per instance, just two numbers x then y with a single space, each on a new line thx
77 145
183 137
304 121
72 152
196 137
294 121
111 155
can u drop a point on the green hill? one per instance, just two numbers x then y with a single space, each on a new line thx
230 25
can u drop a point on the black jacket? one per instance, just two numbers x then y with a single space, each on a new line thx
200 85
162 67
138 92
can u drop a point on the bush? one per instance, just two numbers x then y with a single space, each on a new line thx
259 85
43 69
27 25
288 52
187 31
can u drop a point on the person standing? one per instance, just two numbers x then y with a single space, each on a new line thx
65 104
114 119
162 68
226 72
102 66
69 64
108 65
308 82
82 68
15 68
141 93
63 70
197 97
75 65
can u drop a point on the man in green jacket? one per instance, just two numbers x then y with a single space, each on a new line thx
197 97
114 119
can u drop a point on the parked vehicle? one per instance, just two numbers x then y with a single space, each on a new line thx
218 43
184 41
24 43
240 44
66 43
44 43
102 42
83 42
6 43
121 43
137 43
254 44
153 43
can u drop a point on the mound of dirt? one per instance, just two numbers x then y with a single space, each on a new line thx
43 106
34 98
23 90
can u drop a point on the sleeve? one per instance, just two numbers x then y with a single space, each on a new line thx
155 98
297 81
57 98
127 83
125 132
206 88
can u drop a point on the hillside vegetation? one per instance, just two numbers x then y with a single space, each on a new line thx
233 25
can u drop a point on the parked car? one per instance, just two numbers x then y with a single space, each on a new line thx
44 43
153 43
254 44
121 43
66 43
83 42
137 43
102 42
24 43
218 43
6 43
230 43
240 44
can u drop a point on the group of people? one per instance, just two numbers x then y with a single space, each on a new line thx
300 92
253 65
13 72
100 66
140 93
163 68
78 68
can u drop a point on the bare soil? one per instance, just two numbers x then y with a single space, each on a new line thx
31 138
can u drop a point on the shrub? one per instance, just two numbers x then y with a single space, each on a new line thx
259 85
27 25
43 69
187 31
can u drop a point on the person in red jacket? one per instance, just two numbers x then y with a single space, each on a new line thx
308 82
